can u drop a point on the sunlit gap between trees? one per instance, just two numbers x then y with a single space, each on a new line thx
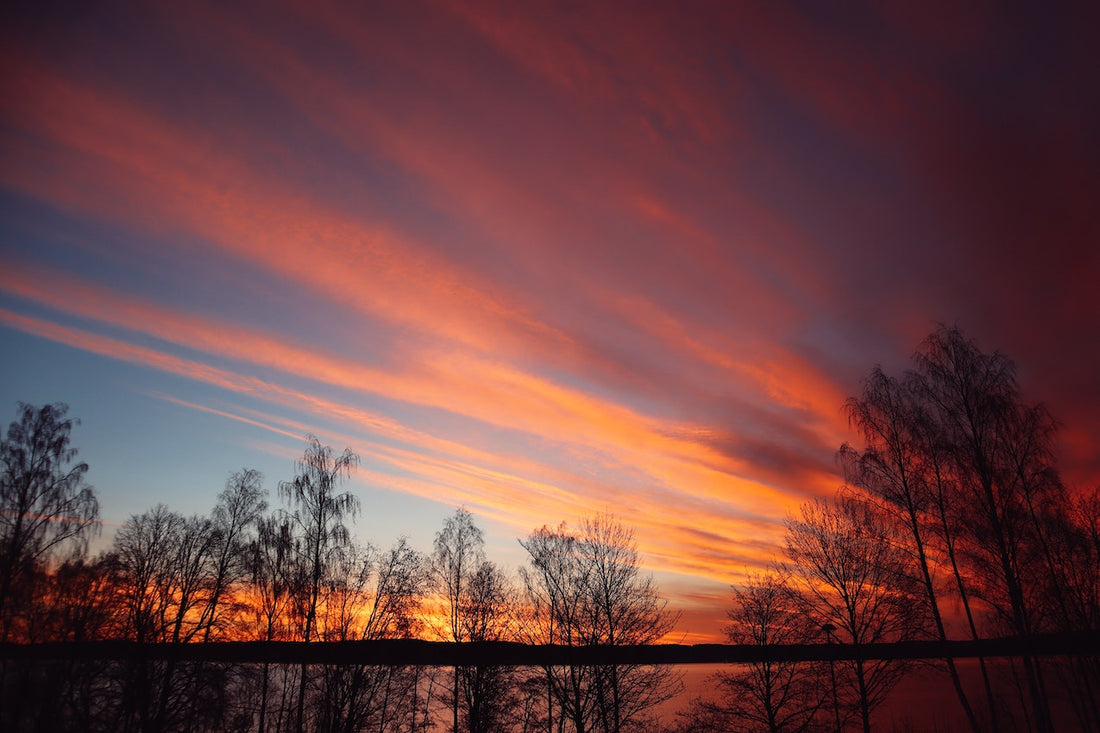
952 523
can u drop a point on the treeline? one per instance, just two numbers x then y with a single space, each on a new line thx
427 652
953 523
248 572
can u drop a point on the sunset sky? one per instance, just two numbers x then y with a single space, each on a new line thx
537 259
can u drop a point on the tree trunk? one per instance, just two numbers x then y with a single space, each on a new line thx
926 576
263 697
864 701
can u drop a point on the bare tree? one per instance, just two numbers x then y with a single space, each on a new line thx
234 522
625 608
587 589
960 460
855 579
458 551
72 604
45 503
1077 552
370 595
488 614
217 567
1081 548
772 695
1001 460
268 563
317 517
892 467
78 603
144 553
948 515
554 583
166 566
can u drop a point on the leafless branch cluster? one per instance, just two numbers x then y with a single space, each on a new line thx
585 587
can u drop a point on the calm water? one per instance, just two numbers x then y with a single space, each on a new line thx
924 700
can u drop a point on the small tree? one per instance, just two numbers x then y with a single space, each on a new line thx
165 565
317 517
487 615
553 583
857 580
458 551
586 588
624 607
45 503
269 556
772 695
234 522
370 595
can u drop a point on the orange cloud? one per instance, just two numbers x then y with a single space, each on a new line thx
461 340
483 389
500 485
123 163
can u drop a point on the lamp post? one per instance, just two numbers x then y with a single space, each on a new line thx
828 630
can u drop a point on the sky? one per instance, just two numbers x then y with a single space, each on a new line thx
540 260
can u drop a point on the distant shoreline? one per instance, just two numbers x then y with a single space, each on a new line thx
418 652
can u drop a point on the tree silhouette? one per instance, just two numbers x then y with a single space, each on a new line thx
586 588
954 455
317 518
488 615
892 468
45 503
772 695
234 521
1000 452
554 582
1077 553
854 577
953 500
370 595
268 562
166 571
458 552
